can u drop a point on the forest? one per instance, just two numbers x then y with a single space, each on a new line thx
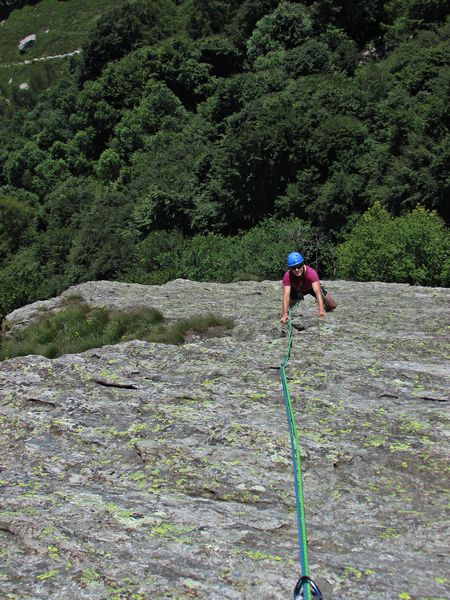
205 139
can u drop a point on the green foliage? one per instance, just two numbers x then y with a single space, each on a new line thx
155 258
9 299
103 244
19 278
15 224
162 179
121 30
176 62
177 333
65 203
343 49
248 167
159 109
157 209
12 4
220 52
20 167
58 223
187 129
264 248
406 17
259 164
287 27
48 121
414 248
78 327
47 174
208 258
361 20
257 254
208 17
108 166
404 165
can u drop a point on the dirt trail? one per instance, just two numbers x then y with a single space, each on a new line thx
40 59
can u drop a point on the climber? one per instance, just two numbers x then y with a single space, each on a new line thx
300 280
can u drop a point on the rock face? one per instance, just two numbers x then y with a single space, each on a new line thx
145 471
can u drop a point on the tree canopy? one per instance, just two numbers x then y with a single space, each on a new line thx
186 118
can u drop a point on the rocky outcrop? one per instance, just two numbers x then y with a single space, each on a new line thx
27 42
147 471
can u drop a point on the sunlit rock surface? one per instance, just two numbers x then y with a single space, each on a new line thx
146 471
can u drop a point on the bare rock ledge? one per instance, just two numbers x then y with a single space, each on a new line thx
146 471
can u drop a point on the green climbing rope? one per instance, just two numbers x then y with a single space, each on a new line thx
305 585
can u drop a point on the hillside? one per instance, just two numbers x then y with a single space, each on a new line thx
146 471
189 138
60 28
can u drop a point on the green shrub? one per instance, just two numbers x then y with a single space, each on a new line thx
413 248
209 257
15 224
245 276
78 327
155 258
19 279
8 300
263 250
258 254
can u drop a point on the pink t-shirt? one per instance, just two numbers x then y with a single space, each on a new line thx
303 283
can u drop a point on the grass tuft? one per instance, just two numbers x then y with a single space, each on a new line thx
78 327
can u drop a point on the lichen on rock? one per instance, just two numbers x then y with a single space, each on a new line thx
149 471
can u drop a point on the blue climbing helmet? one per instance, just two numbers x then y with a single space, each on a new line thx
295 258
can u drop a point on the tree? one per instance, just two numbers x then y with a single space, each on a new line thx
287 27
58 223
413 248
48 121
67 202
155 258
407 108
108 166
123 82
220 52
159 109
19 168
159 209
47 174
96 116
248 167
118 32
208 17
103 244
247 15
360 20
19 280
16 219
404 18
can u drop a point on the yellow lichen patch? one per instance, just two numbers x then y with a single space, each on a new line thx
352 572
47 574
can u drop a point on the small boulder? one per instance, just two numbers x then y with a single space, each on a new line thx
27 42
